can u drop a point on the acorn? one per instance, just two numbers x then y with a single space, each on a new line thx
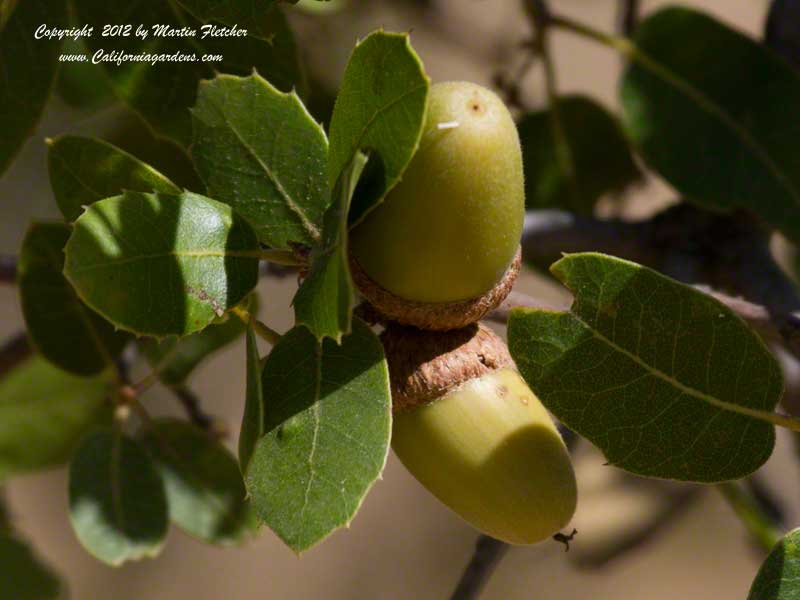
468 427
446 238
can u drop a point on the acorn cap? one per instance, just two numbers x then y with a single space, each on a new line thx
436 316
426 365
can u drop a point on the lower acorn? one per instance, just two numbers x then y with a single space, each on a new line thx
469 428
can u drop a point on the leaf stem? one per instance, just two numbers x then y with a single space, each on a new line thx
757 522
281 257
619 43
488 553
263 331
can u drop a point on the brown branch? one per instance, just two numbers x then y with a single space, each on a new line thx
8 269
488 553
15 350
191 404
628 16
729 253
679 503
755 315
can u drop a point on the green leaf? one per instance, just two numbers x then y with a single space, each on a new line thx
260 151
253 417
163 92
161 264
380 110
664 379
779 575
204 486
84 170
62 328
175 359
324 302
23 574
253 15
117 503
715 115
27 69
328 423
43 414
600 157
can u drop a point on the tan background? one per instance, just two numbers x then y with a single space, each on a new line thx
403 544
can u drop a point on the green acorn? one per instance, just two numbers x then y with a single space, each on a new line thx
449 232
469 428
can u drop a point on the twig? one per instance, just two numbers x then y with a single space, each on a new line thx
488 553
755 315
15 350
191 404
678 504
762 529
8 269
628 16
770 504
262 329
726 252
539 14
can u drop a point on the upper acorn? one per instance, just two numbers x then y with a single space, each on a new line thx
450 229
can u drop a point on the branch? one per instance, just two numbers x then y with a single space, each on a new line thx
678 504
628 16
8 269
726 252
754 314
488 553
15 350
191 404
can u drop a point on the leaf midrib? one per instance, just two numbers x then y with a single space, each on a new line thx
177 254
685 389
296 210
661 71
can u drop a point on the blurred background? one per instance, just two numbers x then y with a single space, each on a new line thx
686 542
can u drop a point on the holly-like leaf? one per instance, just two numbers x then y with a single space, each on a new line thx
665 380
84 170
253 15
328 423
726 135
600 160
161 264
163 92
44 412
779 575
62 328
204 486
27 70
23 575
324 302
782 30
117 503
380 110
175 359
260 151
253 417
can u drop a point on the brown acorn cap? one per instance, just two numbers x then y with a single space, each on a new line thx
434 316
426 365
